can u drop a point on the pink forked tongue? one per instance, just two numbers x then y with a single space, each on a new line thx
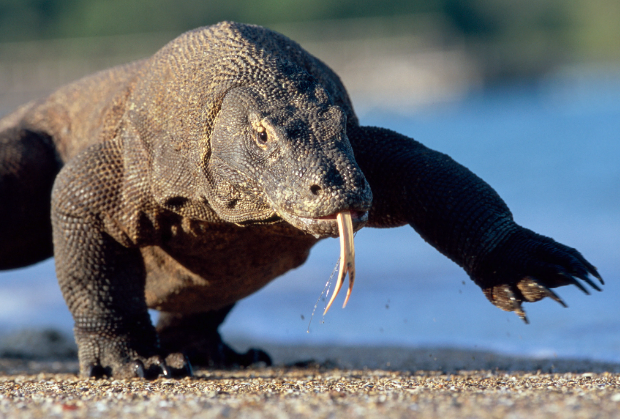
347 257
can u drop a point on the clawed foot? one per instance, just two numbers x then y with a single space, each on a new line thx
197 336
174 366
133 354
527 266
510 297
223 356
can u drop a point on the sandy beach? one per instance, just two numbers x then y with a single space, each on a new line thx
325 382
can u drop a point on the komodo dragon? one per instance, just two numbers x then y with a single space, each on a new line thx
189 180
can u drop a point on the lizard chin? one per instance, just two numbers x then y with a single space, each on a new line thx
325 226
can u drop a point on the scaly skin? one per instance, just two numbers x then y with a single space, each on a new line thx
189 180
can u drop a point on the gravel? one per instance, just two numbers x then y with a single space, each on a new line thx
330 388
326 382
316 392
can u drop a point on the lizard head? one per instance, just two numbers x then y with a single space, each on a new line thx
276 155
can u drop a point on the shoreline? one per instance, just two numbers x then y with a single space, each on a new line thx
38 378
448 360
33 389
49 346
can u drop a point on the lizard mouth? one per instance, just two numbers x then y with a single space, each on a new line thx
355 216
327 226
346 222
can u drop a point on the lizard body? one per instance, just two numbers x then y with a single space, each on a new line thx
189 180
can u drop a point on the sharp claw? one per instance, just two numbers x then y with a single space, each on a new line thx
178 365
522 315
572 280
587 271
582 273
588 281
578 285
594 272
165 370
540 291
96 371
347 257
553 295
189 371
138 369
515 304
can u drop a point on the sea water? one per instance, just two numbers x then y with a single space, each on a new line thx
550 148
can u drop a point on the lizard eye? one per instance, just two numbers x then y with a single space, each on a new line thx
262 138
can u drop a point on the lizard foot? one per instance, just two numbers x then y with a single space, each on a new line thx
223 356
197 337
527 267
511 297
129 354
174 366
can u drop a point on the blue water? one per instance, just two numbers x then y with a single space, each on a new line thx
552 151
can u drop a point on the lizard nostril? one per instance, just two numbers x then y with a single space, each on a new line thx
316 190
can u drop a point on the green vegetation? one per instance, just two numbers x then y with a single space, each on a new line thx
504 32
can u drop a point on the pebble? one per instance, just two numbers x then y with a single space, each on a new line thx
44 389
316 392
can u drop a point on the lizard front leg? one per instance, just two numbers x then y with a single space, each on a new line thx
102 279
465 219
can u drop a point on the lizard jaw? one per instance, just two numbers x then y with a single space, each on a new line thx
326 226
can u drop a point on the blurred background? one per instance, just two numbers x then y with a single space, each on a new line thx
526 94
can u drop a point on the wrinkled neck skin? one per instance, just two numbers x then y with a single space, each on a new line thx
284 156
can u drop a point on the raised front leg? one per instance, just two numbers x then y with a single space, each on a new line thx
102 279
465 219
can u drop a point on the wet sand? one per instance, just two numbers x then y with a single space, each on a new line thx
327 382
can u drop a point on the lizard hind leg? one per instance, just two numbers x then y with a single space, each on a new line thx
28 167
197 336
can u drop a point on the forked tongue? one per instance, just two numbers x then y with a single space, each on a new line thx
347 257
